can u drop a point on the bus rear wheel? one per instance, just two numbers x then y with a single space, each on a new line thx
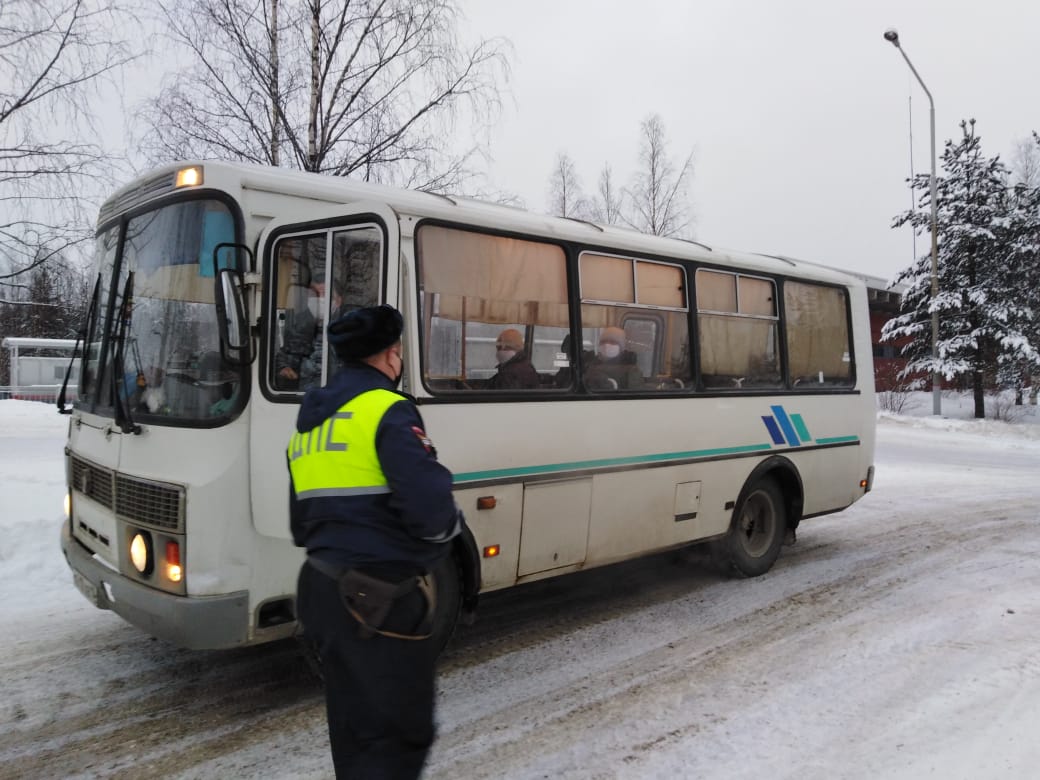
752 545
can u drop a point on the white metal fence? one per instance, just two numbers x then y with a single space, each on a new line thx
45 393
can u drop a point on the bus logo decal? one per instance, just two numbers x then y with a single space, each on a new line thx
784 429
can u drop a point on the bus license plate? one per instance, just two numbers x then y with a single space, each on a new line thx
86 587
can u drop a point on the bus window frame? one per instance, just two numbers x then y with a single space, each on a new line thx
329 226
853 384
480 394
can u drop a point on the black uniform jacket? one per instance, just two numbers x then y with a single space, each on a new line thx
411 524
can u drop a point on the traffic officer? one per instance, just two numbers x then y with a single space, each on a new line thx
374 509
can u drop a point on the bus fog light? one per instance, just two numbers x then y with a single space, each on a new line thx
174 572
141 552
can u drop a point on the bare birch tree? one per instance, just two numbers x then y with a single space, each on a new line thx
54 55
565 196
1025 161
364 88
658 195
609 200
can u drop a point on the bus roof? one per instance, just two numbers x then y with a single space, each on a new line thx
339 190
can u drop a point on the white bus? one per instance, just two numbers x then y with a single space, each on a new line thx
752 406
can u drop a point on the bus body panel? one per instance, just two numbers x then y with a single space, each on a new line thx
497 527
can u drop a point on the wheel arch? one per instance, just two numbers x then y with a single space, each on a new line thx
787 476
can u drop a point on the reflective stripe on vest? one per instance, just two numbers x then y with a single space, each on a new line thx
338 457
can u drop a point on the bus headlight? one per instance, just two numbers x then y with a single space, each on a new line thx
68 504
141 552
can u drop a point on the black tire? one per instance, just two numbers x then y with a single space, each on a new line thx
757 530
447 584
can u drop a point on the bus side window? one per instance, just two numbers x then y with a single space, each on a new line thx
817 335
635 321
494 311
737 327
296 333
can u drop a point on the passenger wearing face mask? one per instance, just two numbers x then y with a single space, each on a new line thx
515 371
613 367
375 512
297 364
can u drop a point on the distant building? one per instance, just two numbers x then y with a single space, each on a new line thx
883 302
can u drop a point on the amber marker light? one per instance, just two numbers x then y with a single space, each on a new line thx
174 572
492 551
189 177
486 502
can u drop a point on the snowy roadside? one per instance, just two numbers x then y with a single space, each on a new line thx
896 639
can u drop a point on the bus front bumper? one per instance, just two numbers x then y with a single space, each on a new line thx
195 623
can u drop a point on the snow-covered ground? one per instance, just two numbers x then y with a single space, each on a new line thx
897 639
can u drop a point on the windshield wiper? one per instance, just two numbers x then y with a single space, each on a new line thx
81 335
122 406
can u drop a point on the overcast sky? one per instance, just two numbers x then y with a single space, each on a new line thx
797 111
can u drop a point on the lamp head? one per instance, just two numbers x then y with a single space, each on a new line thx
892 36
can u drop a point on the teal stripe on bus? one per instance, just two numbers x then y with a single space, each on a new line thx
799 425
549 468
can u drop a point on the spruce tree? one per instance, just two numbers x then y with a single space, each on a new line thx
984 312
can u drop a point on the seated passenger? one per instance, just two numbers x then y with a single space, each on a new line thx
565 376
515 371
613 367
297 363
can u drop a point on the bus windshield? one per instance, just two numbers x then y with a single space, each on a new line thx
153 345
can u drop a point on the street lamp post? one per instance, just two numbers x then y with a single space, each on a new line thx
893 37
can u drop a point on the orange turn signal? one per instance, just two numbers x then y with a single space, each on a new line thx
486 502
174 572
492 551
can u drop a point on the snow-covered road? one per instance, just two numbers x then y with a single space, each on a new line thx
898 639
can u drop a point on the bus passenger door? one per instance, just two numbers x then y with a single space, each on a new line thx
555 526
340 258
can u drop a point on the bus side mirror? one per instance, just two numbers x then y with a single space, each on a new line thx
236 346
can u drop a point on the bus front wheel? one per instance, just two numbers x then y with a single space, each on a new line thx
752 545
447 583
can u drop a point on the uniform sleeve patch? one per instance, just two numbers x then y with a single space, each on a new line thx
420 434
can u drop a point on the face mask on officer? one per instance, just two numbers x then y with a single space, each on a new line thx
505 355
400 366
609 351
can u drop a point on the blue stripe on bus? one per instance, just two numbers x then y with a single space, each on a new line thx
785 425
774 430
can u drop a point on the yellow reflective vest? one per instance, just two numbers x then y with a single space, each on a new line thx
338 457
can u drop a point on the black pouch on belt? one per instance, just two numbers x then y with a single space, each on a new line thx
370 599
